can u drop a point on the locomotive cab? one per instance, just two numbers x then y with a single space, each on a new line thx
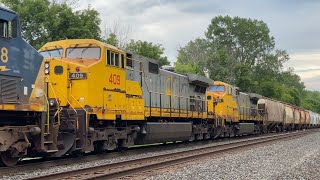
87 91
88 74
223 100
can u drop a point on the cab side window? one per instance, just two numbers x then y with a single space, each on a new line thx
14 28
108 58
115 59
122 61
8 29
230 90
112 58
3 28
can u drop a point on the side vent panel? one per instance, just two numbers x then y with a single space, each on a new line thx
9 90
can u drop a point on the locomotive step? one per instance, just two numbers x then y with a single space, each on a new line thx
52 151
48 142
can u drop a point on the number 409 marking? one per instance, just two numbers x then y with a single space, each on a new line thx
114 78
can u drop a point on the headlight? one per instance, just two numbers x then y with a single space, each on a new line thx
46 65
51 102
46 71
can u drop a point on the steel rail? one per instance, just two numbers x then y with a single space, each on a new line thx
130 167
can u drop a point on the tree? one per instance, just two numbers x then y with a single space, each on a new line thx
117 34
112 40
193 57
44 21
311 101
67 2
242 52
246 40
148 49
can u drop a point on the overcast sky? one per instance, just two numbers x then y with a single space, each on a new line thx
173 23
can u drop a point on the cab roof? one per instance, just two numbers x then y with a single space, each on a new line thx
69 42
221 83
3 8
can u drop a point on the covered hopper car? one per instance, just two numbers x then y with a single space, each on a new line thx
282 116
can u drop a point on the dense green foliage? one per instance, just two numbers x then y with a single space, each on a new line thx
112 40
50 20
148 49
236 50
44 21
311 101
242 52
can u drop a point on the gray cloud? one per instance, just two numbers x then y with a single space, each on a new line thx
173 23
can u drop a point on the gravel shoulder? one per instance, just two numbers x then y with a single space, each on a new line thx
114 157
292 159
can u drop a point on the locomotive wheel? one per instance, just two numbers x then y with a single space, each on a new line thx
7 159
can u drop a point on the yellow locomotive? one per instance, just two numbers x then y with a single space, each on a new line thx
235 111
102 98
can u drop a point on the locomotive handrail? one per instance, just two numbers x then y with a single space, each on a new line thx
65 99
83 109
78 103
76 100
204 100
202 109
56 99
48 107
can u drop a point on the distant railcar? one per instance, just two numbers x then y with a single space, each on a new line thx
282 116
314 119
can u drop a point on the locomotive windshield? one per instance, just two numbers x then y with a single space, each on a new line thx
216 89
83 53
52 53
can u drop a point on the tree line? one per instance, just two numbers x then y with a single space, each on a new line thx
43 21
239 51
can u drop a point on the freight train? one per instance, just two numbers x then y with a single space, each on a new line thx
82 95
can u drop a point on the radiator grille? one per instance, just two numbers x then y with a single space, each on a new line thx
9 92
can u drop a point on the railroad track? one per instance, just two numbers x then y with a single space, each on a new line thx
134 169
27 166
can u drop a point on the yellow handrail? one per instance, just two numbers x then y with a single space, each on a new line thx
56 99
48 118
65 99
82 108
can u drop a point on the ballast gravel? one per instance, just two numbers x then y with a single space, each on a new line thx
135 154
291 159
